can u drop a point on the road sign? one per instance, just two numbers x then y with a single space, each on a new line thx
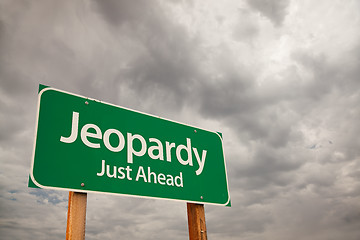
86 145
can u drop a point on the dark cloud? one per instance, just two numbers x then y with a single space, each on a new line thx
268 168
122 12
247 29
275 10
167 65
226 97
255 115
163 63
273 92
253 220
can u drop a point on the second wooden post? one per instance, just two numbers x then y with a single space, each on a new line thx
196 221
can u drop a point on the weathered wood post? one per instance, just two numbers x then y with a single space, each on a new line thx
76 217
196 221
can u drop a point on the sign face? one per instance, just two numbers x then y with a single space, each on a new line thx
86 145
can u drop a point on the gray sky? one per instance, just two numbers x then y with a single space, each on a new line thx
279 79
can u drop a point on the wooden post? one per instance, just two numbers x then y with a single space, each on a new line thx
76 217
196 221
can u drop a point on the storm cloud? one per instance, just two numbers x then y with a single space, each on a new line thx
279 79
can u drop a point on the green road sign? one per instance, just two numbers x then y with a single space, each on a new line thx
86 145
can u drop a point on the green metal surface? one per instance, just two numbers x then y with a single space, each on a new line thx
166 162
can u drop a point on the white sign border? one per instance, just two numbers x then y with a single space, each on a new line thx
46 88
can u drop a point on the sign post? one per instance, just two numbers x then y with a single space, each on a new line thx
85 145
196 221
76 218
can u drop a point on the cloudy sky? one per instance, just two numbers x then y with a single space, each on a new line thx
279 78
